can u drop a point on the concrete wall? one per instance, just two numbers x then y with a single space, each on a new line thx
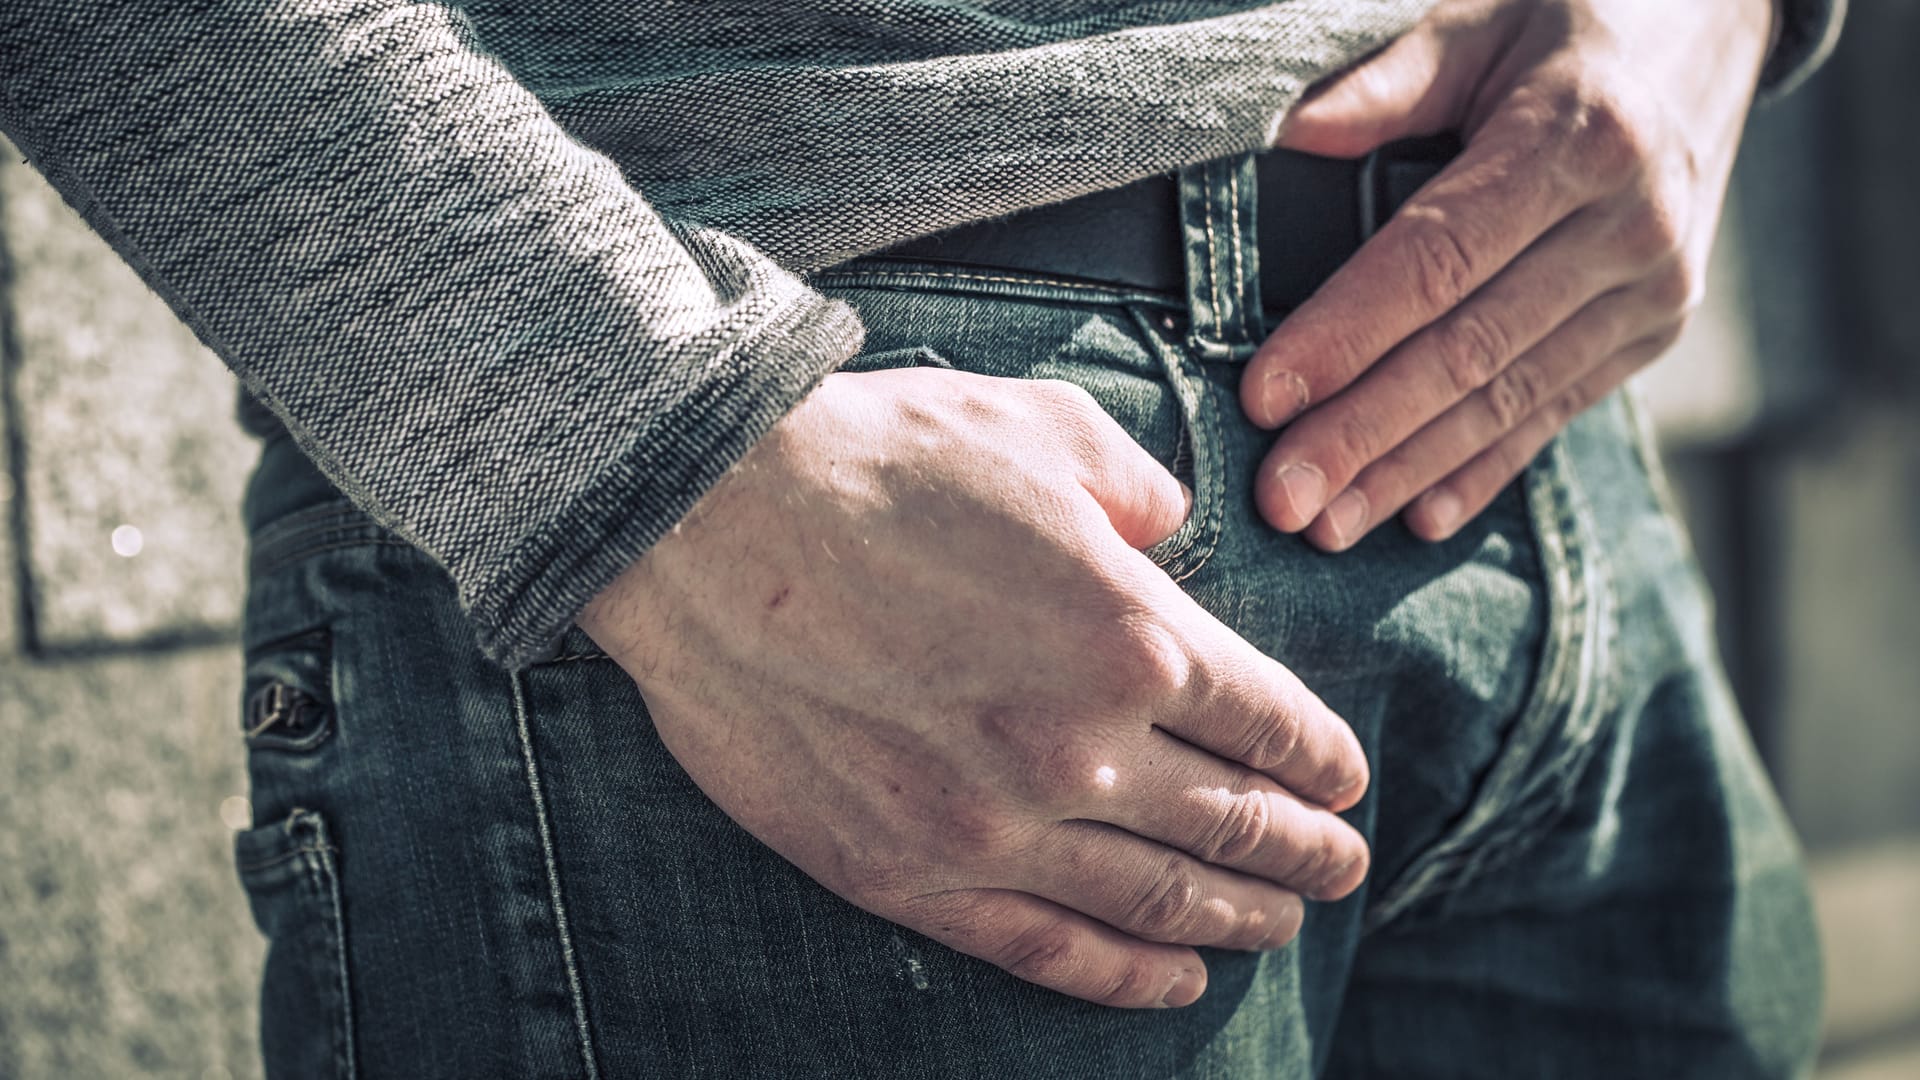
126 948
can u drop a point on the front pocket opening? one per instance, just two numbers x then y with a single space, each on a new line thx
289 701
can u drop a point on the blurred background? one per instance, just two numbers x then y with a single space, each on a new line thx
1790 417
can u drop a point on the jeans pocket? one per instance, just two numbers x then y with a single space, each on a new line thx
1199 455
289 871
1116 348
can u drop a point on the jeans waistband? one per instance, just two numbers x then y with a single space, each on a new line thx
1243 239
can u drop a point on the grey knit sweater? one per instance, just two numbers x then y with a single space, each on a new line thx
521 275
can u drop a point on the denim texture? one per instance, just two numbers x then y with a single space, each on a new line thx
1579 867
520 276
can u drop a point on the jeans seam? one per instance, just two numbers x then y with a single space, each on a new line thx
917 278
575 994
1201 429
1562 709
316 855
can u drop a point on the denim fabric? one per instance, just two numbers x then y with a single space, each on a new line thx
1580 870
517 274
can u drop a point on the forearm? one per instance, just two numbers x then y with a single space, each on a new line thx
471 322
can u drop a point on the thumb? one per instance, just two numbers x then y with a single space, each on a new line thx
1402 91
1144 502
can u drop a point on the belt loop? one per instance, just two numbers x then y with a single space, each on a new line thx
1223 258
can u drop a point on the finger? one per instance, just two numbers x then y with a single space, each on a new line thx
1396 94
1144 501
1233 817
1441 511
1156 893
1580 345
1439 366
1062 950
1243 706
1507 189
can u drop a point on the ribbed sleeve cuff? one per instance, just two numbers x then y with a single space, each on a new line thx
521 611
1809 30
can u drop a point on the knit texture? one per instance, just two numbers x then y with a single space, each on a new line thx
524 277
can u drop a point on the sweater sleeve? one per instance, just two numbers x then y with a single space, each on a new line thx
484 336
1808 30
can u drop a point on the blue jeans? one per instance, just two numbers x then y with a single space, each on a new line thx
1579 868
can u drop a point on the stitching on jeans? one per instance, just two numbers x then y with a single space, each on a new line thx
1514 794
317 855
572 657
1117 296
576 996
1202 434
1239 271
1213 257
1207 442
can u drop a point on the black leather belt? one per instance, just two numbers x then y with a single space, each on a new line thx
1312 213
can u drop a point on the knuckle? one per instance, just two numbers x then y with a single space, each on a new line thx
1313 861
1054 763
1242 830
1666 338
1571 403
1359 437
1677 290
1073 415
1652 234
1277 745
1157 654
1048 954
1138 980
1442 265
1169 905
1067 396
1609 136
1474 346
1515 394
1063 772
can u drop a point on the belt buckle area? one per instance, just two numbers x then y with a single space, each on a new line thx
1392 174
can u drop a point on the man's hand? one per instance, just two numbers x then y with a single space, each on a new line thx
1561 252
910 645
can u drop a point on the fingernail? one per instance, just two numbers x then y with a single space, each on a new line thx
1187 493
1304 486
1185 990
1442 510
1283 396
1328 888
1348 795
1347 515
1286 926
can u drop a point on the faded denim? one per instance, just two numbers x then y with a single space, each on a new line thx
522 277
1580 869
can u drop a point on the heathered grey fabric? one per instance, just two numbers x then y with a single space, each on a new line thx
521 276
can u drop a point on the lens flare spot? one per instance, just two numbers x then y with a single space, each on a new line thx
127 541
236 813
